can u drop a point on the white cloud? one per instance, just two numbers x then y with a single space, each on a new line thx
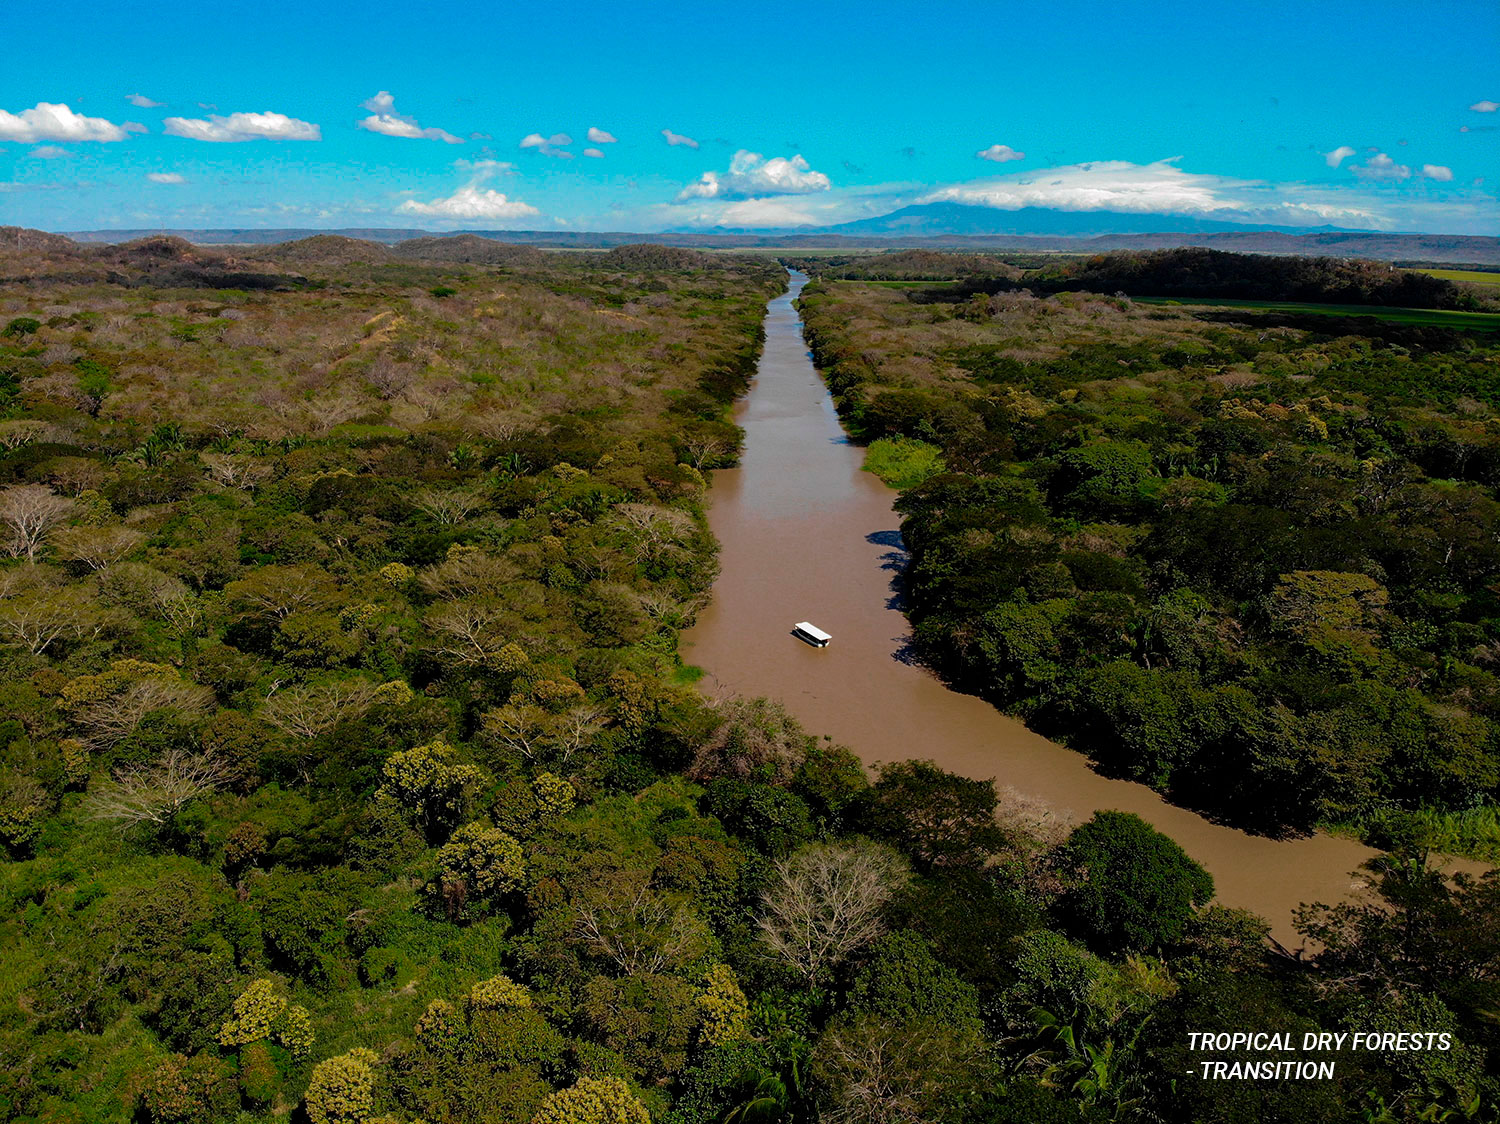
141 101
385 120
472 202
1437 172
1338 155
49 121
242 127
599 136
1158 188
750 174
676 139
48 152
553 146
1380 168
1000 153
165 177
594 152
1485 106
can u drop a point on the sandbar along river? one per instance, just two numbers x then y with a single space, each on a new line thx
807 535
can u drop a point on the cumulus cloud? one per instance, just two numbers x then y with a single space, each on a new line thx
750 174
141 101
1485 106
1000 153
386 121
676 139
49 121
242 127
1338 155
594 152
1437 172
1156 188
165 177
1380 168
554 146
599 136
473 200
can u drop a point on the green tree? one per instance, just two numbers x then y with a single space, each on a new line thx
1131 888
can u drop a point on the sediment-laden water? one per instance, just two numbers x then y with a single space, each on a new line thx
807 535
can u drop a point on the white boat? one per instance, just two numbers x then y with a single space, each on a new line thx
811 633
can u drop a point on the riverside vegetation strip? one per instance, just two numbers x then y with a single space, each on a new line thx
1247 560
350 773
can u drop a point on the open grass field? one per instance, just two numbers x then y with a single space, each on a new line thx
1473 276
1434 317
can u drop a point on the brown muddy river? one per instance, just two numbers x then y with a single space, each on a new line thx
808 536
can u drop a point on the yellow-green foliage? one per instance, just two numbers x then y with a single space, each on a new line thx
397 574
498 992
594 1100
75 760
425 780
253 1014
509 659
438 1028
723 1007
554 795
182 1090
395 693
903 462
121 674
294 1031
342 1089
261 1012
484 858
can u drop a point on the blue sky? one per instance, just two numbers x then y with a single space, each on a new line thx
1367 115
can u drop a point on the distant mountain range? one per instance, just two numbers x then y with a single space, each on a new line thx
947 219
949 226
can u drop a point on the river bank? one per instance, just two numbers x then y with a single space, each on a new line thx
807 535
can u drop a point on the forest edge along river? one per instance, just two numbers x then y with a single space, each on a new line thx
806 534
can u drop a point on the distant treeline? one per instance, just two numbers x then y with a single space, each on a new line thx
1193 272
1183 273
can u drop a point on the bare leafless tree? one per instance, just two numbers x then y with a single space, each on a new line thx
308 710
449 507
31 511
156 792
576 729
471 573
18 432
233 471
34 620
96 547
104 722
638 929
279 591
702 450
468 633
658 531
824 903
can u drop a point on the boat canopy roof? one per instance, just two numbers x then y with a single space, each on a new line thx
812 630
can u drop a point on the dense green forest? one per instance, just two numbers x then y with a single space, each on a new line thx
1251 564
351 774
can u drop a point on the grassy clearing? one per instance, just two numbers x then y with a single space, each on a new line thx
1434 317
1472 276
1473 833
903 462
